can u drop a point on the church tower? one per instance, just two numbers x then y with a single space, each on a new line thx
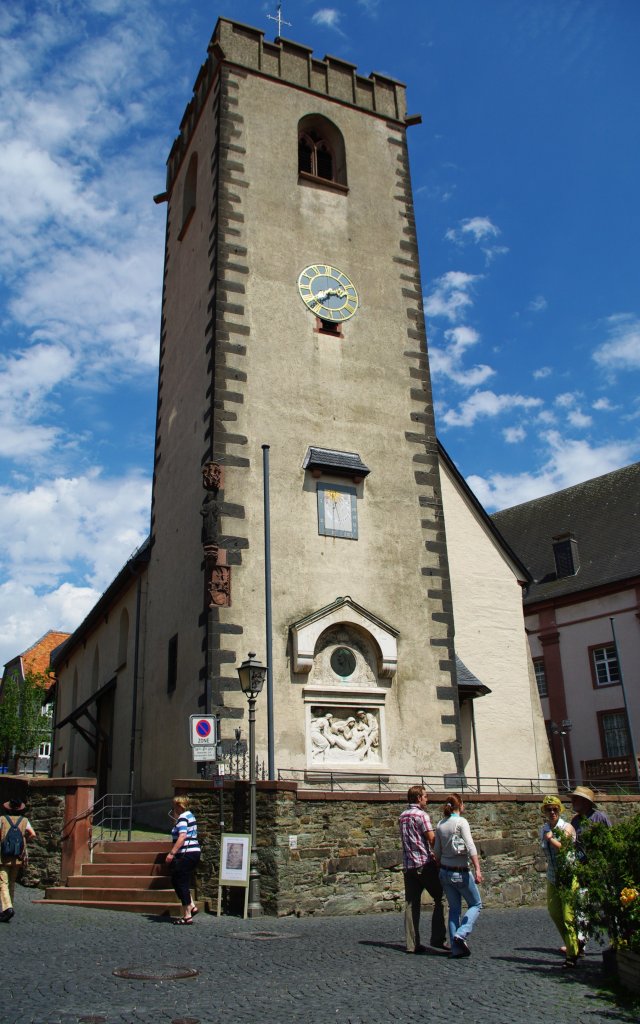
292 318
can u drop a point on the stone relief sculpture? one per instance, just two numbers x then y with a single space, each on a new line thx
354 738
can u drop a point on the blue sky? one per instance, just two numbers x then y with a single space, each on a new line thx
525 174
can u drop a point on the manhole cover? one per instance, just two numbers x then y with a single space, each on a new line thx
264 936
163 972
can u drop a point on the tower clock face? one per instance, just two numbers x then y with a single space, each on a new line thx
327 292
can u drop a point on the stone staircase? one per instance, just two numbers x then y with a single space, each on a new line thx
122 876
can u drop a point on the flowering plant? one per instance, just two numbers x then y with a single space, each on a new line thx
608 875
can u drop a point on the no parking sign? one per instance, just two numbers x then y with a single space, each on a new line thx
204 737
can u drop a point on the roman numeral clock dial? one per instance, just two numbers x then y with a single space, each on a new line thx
328 293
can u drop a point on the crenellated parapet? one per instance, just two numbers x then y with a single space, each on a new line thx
241 45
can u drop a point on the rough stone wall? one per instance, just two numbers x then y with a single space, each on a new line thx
45 811
348 858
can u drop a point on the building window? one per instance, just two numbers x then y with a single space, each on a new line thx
172 664
321 152
541 677
614 733
605 670
44 750
314 156
565 553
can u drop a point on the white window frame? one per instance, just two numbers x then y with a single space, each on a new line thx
604 660
541 677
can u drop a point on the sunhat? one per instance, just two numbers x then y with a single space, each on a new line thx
13 806
552 801
585 793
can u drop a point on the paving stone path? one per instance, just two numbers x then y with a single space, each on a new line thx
58 967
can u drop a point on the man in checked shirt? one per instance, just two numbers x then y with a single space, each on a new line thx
420 871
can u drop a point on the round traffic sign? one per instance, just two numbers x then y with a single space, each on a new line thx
203 728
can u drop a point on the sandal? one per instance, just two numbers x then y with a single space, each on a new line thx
183 920
194 911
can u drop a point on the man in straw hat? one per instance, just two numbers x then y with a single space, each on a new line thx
13 814
583 801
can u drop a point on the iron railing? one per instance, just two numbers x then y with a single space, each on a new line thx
386 782
112 818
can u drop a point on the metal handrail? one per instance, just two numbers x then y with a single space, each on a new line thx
112 815
343 780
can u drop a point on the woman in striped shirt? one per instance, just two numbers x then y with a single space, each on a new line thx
184 856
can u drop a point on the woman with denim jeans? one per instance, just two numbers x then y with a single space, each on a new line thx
454 847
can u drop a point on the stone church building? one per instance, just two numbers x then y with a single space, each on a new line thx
292 318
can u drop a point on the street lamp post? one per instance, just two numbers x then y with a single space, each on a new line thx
252 674
563 730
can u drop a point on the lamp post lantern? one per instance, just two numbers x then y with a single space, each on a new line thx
252 675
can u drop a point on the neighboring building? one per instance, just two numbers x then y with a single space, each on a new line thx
292 318
36 660
582 548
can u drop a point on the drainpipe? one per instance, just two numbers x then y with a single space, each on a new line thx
134 700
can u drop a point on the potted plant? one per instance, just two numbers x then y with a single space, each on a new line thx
607 869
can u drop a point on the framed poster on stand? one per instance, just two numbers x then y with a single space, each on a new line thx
235 857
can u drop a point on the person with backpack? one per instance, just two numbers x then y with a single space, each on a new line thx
15 828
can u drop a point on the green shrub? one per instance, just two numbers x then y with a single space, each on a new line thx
608 874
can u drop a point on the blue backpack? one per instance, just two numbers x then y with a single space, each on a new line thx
13 842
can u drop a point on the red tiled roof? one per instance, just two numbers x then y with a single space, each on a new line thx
36 657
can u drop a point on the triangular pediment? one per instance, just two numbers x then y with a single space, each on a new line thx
307 631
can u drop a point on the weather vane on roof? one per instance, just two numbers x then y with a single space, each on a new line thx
278 17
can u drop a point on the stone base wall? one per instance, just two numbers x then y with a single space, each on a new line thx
347 857
49 804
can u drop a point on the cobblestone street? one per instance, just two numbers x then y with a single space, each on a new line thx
59 965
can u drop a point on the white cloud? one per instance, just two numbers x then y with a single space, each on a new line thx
82 528
538 305
513 435
622 349
26 614
71 302
485 405
566 399
26 380
492 251
604 405
567 462
478 228
461 338
450 296
547 417
85 525
446 362
327 16
577 418
542 372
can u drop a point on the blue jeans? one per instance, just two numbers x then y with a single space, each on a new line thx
457 884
